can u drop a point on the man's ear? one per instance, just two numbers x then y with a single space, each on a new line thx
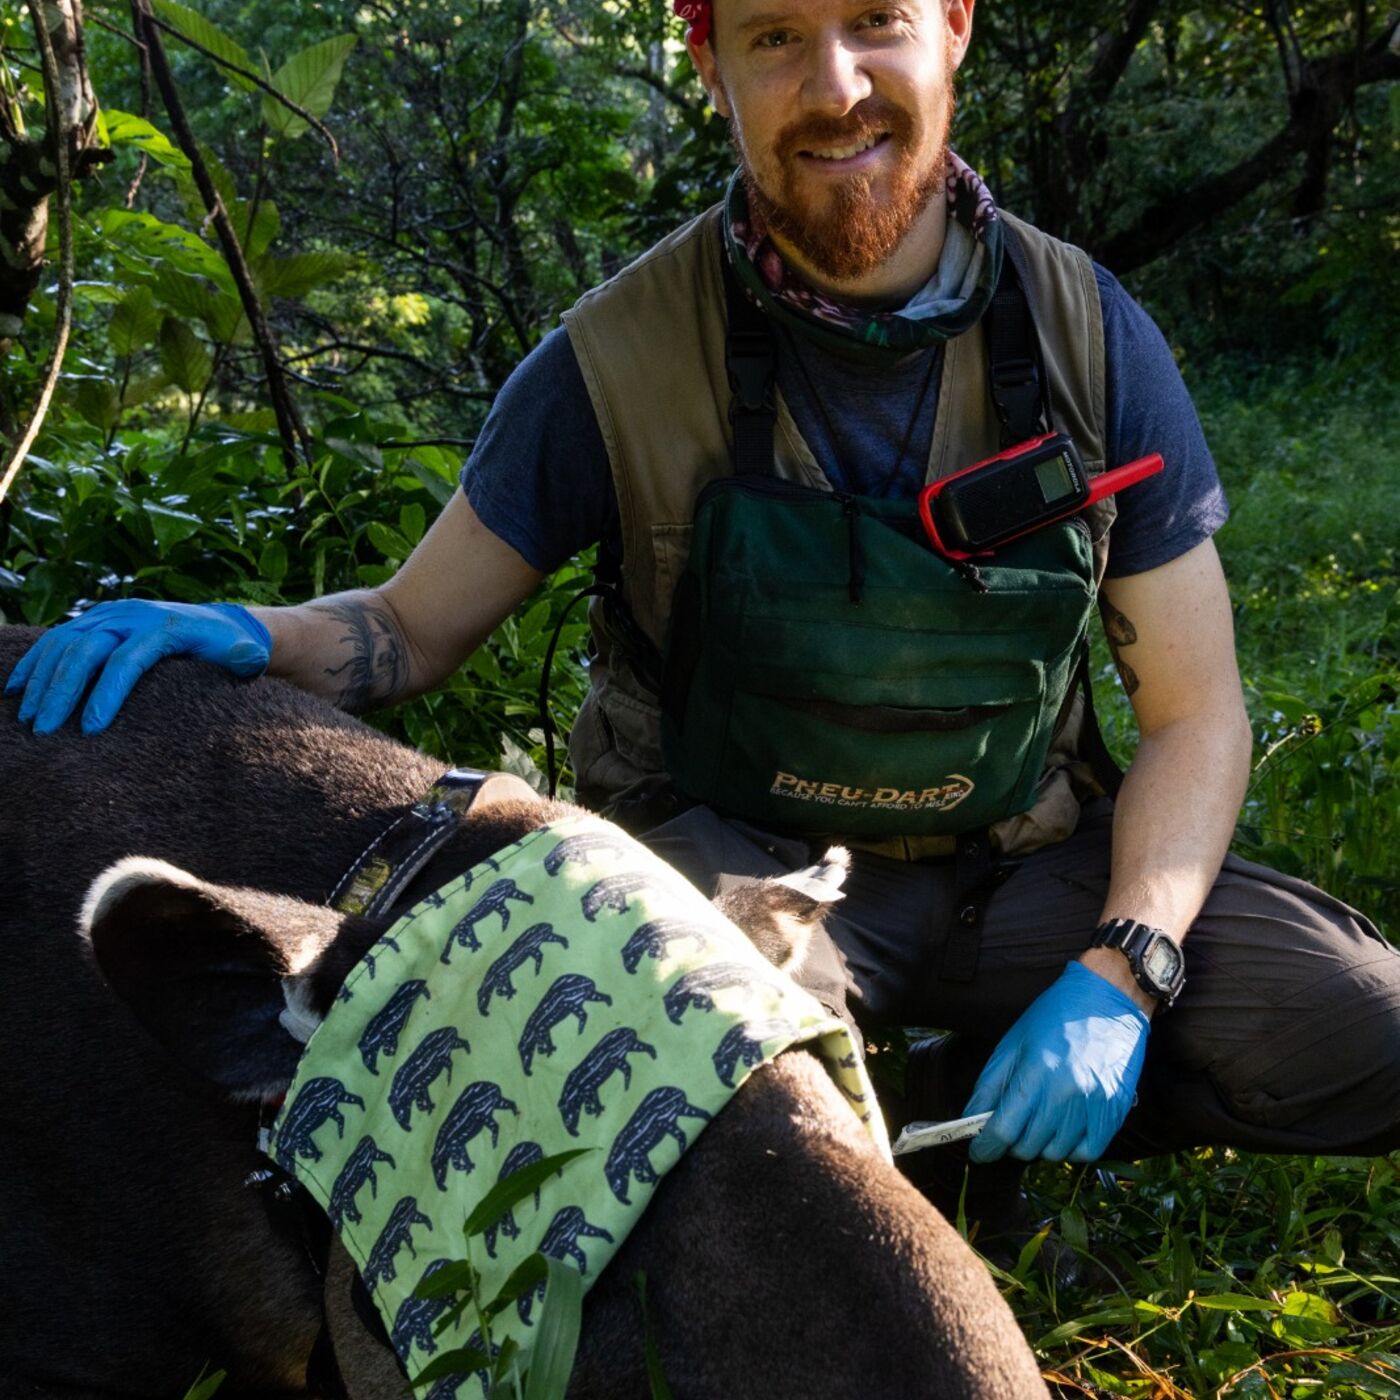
224 978
703 57
959 17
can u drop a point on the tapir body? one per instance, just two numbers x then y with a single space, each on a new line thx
783 1256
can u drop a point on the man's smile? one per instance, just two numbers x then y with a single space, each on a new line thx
855 155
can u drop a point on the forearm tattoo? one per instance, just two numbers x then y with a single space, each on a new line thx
377 667
1120 633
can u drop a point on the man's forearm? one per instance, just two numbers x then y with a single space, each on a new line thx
1172 825
348 648
372 647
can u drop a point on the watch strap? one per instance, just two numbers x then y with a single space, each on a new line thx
1133 939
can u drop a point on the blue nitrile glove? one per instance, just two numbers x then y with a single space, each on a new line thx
123 640
1062 1079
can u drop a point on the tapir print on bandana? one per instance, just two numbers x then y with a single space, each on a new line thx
953 301
572 992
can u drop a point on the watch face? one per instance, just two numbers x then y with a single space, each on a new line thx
1163 962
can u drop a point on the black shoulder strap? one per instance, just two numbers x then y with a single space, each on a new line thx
1015 374
1092 748
750 356
1017 380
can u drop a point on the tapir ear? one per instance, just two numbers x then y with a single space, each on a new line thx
780 913
223 977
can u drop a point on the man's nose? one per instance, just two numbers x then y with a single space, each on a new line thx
836 79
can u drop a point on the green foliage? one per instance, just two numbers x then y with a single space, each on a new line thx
309 79
204 32
1218 1274
542 1372
1312 555
205 1386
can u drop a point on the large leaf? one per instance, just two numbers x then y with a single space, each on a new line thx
97 401
393 546
135 321
184 292
556 1336
519 1184
309 79
97 291
213 38
156 241
127 129
436 486
256 232
300 273
143 389
183 356
171 526
194 297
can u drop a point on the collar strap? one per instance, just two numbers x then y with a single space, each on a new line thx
387 865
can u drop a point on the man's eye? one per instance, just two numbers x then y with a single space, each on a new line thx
880 19
773 39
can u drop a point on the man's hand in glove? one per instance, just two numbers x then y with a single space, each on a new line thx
122 640
1063 1078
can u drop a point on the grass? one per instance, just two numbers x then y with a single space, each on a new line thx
1218 1273
1312 554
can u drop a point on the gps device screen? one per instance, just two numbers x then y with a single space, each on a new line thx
1055 480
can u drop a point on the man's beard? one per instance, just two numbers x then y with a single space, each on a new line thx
850 232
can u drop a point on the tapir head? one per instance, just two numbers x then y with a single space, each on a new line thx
232 981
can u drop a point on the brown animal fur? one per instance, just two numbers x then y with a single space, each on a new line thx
134 1255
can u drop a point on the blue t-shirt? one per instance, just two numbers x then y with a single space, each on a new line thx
539 477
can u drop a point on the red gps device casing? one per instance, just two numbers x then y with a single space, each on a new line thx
1018 491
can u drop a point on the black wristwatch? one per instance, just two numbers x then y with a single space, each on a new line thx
1155 959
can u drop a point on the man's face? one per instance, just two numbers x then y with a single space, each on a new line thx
840 114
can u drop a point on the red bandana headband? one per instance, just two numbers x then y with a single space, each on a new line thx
697 13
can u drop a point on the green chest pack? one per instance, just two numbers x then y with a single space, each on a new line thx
827 671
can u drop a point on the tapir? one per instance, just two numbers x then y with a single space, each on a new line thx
142 1029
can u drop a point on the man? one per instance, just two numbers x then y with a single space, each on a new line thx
873 253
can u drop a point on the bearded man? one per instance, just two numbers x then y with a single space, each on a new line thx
826 328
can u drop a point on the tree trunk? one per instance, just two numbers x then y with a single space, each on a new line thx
27 172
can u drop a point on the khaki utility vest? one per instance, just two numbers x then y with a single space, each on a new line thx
650 344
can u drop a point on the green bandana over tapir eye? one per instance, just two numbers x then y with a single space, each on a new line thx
572 992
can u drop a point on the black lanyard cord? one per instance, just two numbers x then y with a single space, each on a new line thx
893 474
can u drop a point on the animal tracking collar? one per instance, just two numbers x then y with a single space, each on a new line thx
383 870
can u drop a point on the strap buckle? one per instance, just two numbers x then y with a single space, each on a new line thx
1016 396
749 360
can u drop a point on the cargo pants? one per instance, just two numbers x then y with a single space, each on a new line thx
1286 1037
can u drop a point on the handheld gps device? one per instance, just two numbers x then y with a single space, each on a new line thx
1020 490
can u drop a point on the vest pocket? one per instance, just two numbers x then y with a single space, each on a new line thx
613 744
932 756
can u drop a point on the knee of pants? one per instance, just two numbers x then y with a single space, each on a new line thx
1329 1074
